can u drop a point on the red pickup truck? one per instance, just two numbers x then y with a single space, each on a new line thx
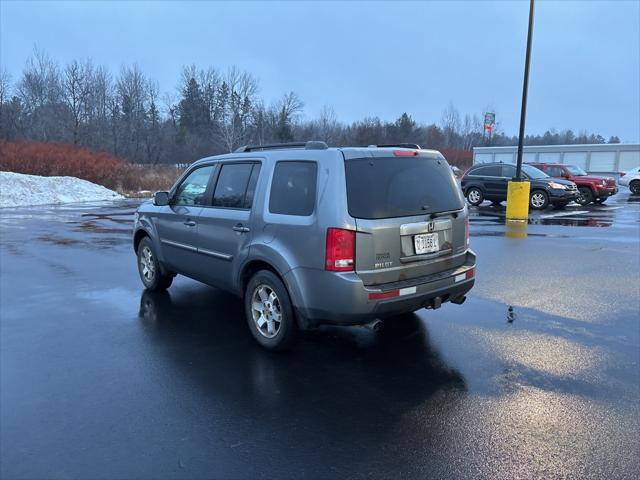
591 188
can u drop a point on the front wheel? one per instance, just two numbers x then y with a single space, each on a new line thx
585 196
269 311
634 186
539 200
474 196
149 268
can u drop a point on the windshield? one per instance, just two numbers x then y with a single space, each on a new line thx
400 187
576 171
533 172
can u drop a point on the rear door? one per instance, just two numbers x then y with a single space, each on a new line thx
224 228
495 184
409 215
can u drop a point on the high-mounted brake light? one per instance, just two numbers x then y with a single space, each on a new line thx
405 153
341 250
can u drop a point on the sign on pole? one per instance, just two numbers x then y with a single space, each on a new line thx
489 122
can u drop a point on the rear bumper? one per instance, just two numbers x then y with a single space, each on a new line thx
322 297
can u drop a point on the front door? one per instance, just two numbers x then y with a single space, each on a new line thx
177 223
224 228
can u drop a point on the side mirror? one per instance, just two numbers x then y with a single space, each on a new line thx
160 199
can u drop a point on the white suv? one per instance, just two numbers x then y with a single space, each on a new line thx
631 179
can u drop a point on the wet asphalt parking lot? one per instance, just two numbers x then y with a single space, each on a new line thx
100 379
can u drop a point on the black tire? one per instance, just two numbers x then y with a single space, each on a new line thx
272 334
586 196
153 277
538 200
634 186
475 198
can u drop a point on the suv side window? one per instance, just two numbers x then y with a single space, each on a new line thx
508 171
231 187
554 171
293 189
488 171
193 188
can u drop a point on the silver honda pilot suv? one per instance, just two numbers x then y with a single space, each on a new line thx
309 235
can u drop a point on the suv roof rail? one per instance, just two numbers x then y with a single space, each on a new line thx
413 146
310 145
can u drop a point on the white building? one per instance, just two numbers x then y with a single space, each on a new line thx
608 158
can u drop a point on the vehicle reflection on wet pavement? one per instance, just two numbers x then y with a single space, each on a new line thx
101 379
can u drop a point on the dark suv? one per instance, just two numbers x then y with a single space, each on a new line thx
489 181
311 235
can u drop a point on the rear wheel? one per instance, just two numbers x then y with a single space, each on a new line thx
585 197
149 268
269 311
475 196
634 186
538 200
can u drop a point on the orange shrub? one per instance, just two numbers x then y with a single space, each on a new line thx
53 159
459 158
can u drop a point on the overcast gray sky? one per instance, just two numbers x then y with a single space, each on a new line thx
367 59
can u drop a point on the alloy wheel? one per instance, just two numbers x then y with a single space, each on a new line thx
474 196
266 310
537 200
147 265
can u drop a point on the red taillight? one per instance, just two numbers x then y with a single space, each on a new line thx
341 250
470 273
405 153
622 174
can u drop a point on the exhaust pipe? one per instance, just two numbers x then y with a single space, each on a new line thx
374 326
459 300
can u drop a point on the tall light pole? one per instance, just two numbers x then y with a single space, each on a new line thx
518 191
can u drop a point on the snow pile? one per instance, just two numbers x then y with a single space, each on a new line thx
17 189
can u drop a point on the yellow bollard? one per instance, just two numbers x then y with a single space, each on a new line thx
518 200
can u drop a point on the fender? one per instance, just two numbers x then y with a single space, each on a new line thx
145 224
274 254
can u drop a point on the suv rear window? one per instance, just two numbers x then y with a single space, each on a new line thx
400 187
293 190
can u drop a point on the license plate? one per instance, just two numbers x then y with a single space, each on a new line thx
427 243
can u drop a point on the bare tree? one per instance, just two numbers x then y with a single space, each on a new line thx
328 127
5 85
76 83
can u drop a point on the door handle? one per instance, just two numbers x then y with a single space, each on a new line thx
190 223
238 227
